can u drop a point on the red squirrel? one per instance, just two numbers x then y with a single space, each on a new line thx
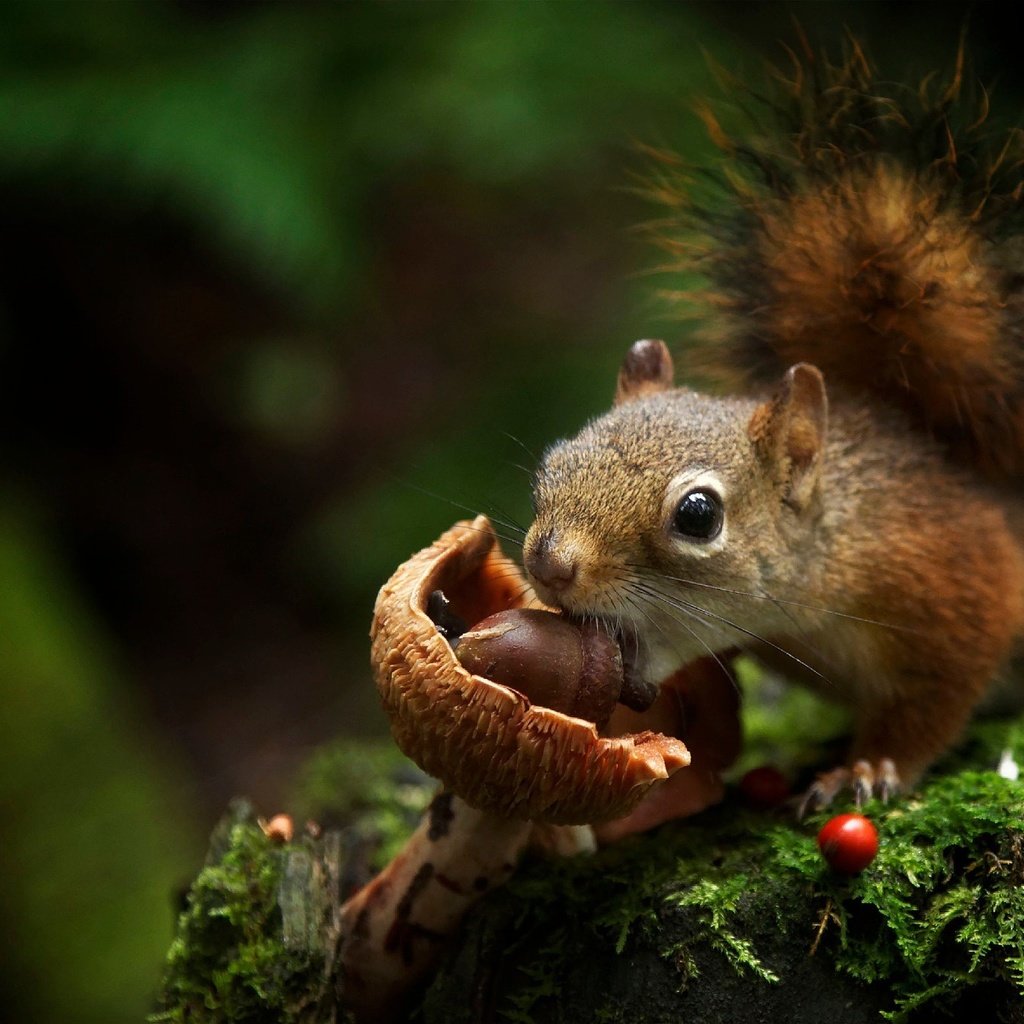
849 509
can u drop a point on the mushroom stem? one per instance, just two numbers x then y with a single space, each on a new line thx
395 928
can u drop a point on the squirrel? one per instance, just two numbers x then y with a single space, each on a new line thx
846 505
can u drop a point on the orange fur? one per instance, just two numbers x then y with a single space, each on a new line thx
873 281
874 238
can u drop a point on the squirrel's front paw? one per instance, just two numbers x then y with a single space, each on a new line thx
864 778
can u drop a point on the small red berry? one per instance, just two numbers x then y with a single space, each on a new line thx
849 843
764 787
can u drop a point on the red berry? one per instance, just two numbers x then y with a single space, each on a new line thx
849 843
764 787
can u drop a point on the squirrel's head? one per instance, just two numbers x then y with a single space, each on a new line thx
659 512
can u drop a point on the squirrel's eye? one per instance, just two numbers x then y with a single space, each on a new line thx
699 515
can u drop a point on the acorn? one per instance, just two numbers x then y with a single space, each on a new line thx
553 662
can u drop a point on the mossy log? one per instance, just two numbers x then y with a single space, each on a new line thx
729 916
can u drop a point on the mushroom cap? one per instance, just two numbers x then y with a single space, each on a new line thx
483 740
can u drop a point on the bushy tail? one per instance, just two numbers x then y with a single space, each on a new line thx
876 232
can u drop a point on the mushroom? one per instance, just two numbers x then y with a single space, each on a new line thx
483 739
513 771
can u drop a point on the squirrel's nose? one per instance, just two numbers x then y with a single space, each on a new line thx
548 564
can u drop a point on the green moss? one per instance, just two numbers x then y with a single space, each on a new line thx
253 943
248 948
946 886
729 916
737 910
719 900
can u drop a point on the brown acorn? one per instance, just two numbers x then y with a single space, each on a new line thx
555 663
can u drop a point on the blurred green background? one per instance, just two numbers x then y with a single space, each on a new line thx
284 287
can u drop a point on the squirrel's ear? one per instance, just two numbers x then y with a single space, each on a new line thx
788 432
646 369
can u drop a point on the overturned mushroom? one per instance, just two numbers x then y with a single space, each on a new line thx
483 738
508 721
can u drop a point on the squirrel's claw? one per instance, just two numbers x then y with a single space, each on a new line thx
862 781
887 782
823 791
865 778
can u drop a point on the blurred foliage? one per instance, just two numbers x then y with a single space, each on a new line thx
269 132
96 837
366 785
787 726
284 287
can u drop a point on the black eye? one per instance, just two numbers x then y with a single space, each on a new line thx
699 515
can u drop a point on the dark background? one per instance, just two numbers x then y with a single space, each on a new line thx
268 274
